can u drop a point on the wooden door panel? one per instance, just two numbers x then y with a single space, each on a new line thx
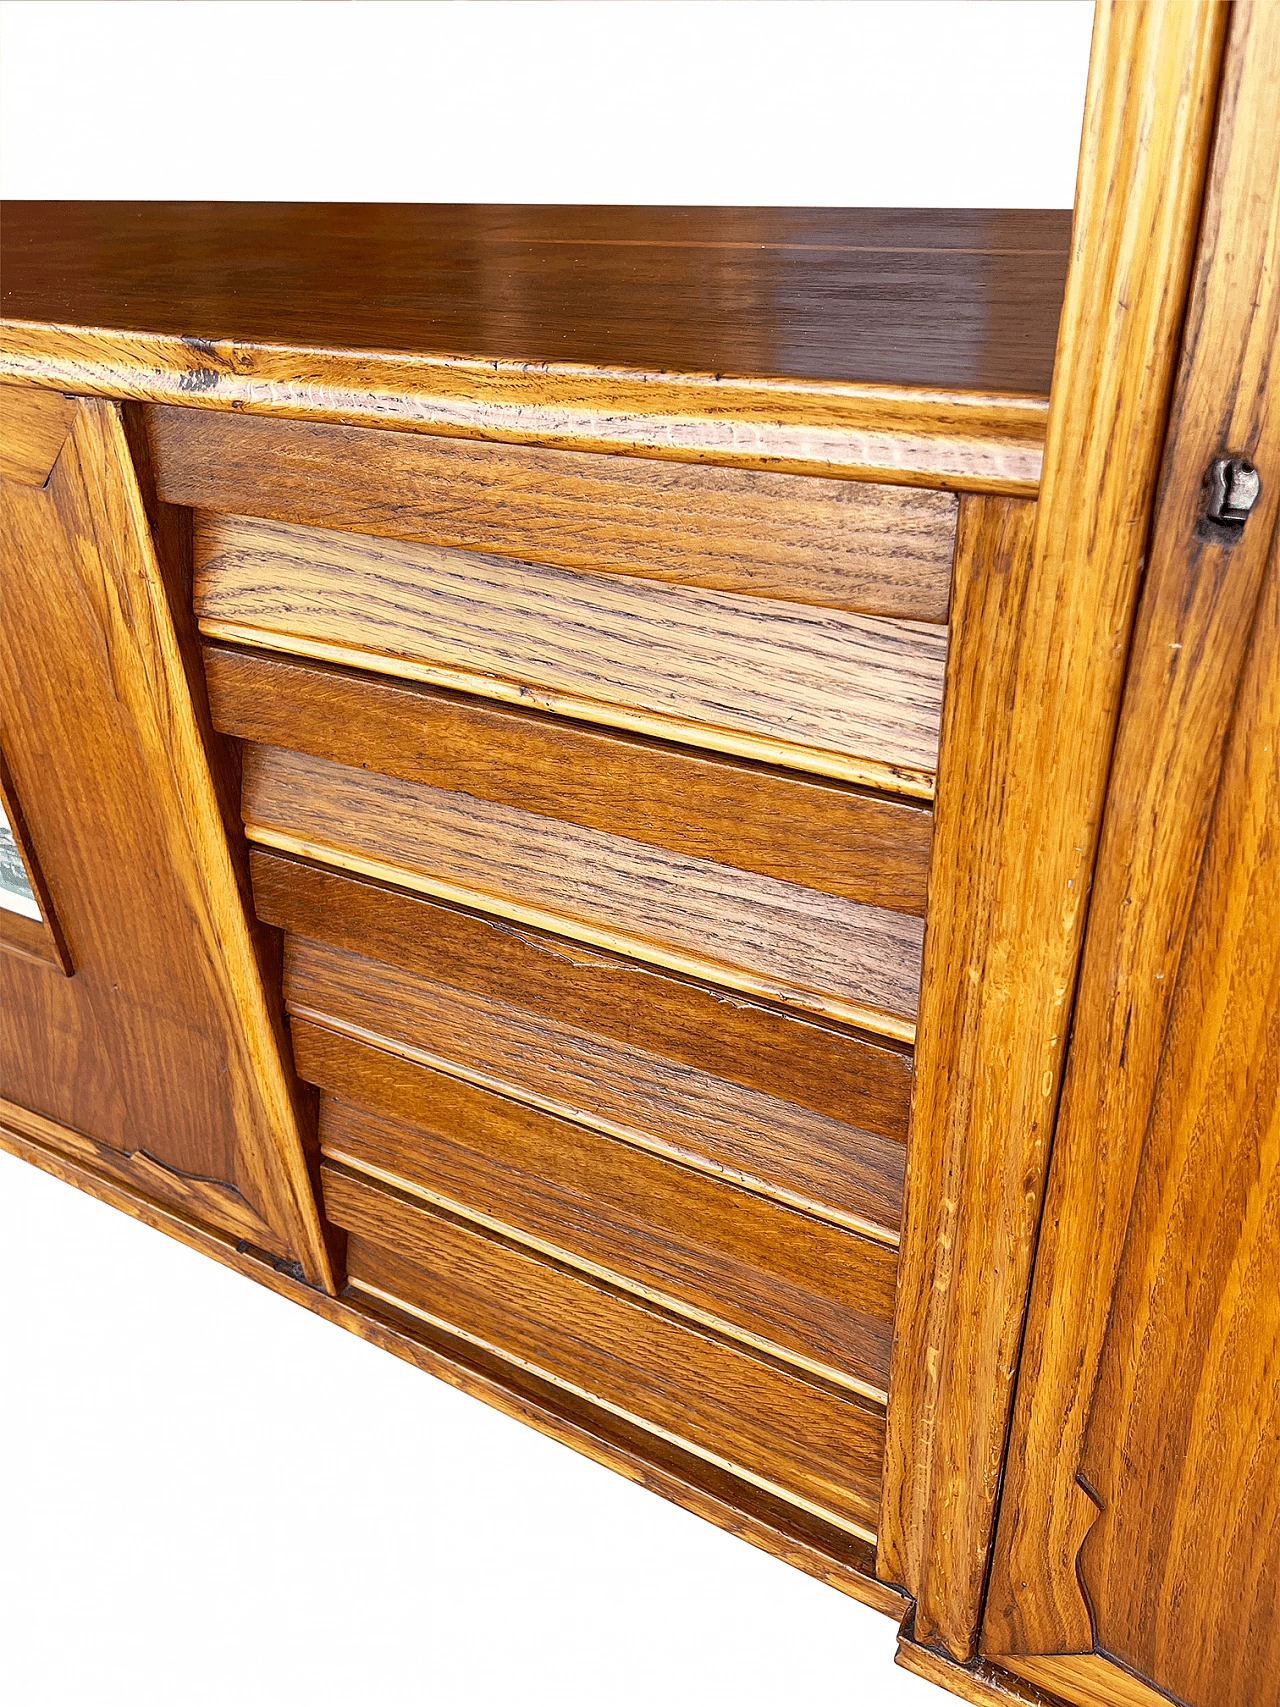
1135 1553
158 1060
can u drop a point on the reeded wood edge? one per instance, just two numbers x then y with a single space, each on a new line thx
764 1529
874 1020
596 1271
954 440
365 1289
814 761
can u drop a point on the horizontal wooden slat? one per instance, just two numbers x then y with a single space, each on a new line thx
825 835
825 1166
845 695
819 1295
799 1060
810 1442
819 952
885 550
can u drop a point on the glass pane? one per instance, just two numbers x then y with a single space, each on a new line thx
15 890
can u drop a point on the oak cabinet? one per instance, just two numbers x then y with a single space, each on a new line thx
569 815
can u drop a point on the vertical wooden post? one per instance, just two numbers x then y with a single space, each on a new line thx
1041 628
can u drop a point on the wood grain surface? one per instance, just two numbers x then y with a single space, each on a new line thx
1040 632
837 1073
162 1050
816 952
844 695
818 1295
797 1438
1182 1447
824 1166
1193 627
779 1527
914 346
33 429
885 550
824 835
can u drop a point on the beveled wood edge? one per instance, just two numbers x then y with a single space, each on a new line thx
874 1231
982 1682
676 1481
873 1020
847 1524
37 453
571 1259
815 761
951 439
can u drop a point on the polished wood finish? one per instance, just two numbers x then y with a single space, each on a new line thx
844 695
792 1285
843 1075
777 1526
816 952
1188 652
33 429
1165 943
807 1442
824 1166
1038 701
36 939
758 338
885 550
795 829
160 1053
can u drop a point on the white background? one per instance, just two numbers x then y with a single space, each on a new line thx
209 1495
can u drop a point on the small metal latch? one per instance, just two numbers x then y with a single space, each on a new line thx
1232 487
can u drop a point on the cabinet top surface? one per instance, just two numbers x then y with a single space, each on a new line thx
940 299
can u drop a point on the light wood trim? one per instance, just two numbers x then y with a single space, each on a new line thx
777 1527
33 430
1189 647
1033 703
834 692
960 440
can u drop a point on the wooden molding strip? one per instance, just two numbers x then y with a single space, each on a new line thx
833 1556
952 439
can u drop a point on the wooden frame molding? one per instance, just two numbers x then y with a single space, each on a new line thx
957 440
1014 846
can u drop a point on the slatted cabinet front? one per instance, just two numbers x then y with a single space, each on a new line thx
593 797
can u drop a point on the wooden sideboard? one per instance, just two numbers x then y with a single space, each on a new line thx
673 814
